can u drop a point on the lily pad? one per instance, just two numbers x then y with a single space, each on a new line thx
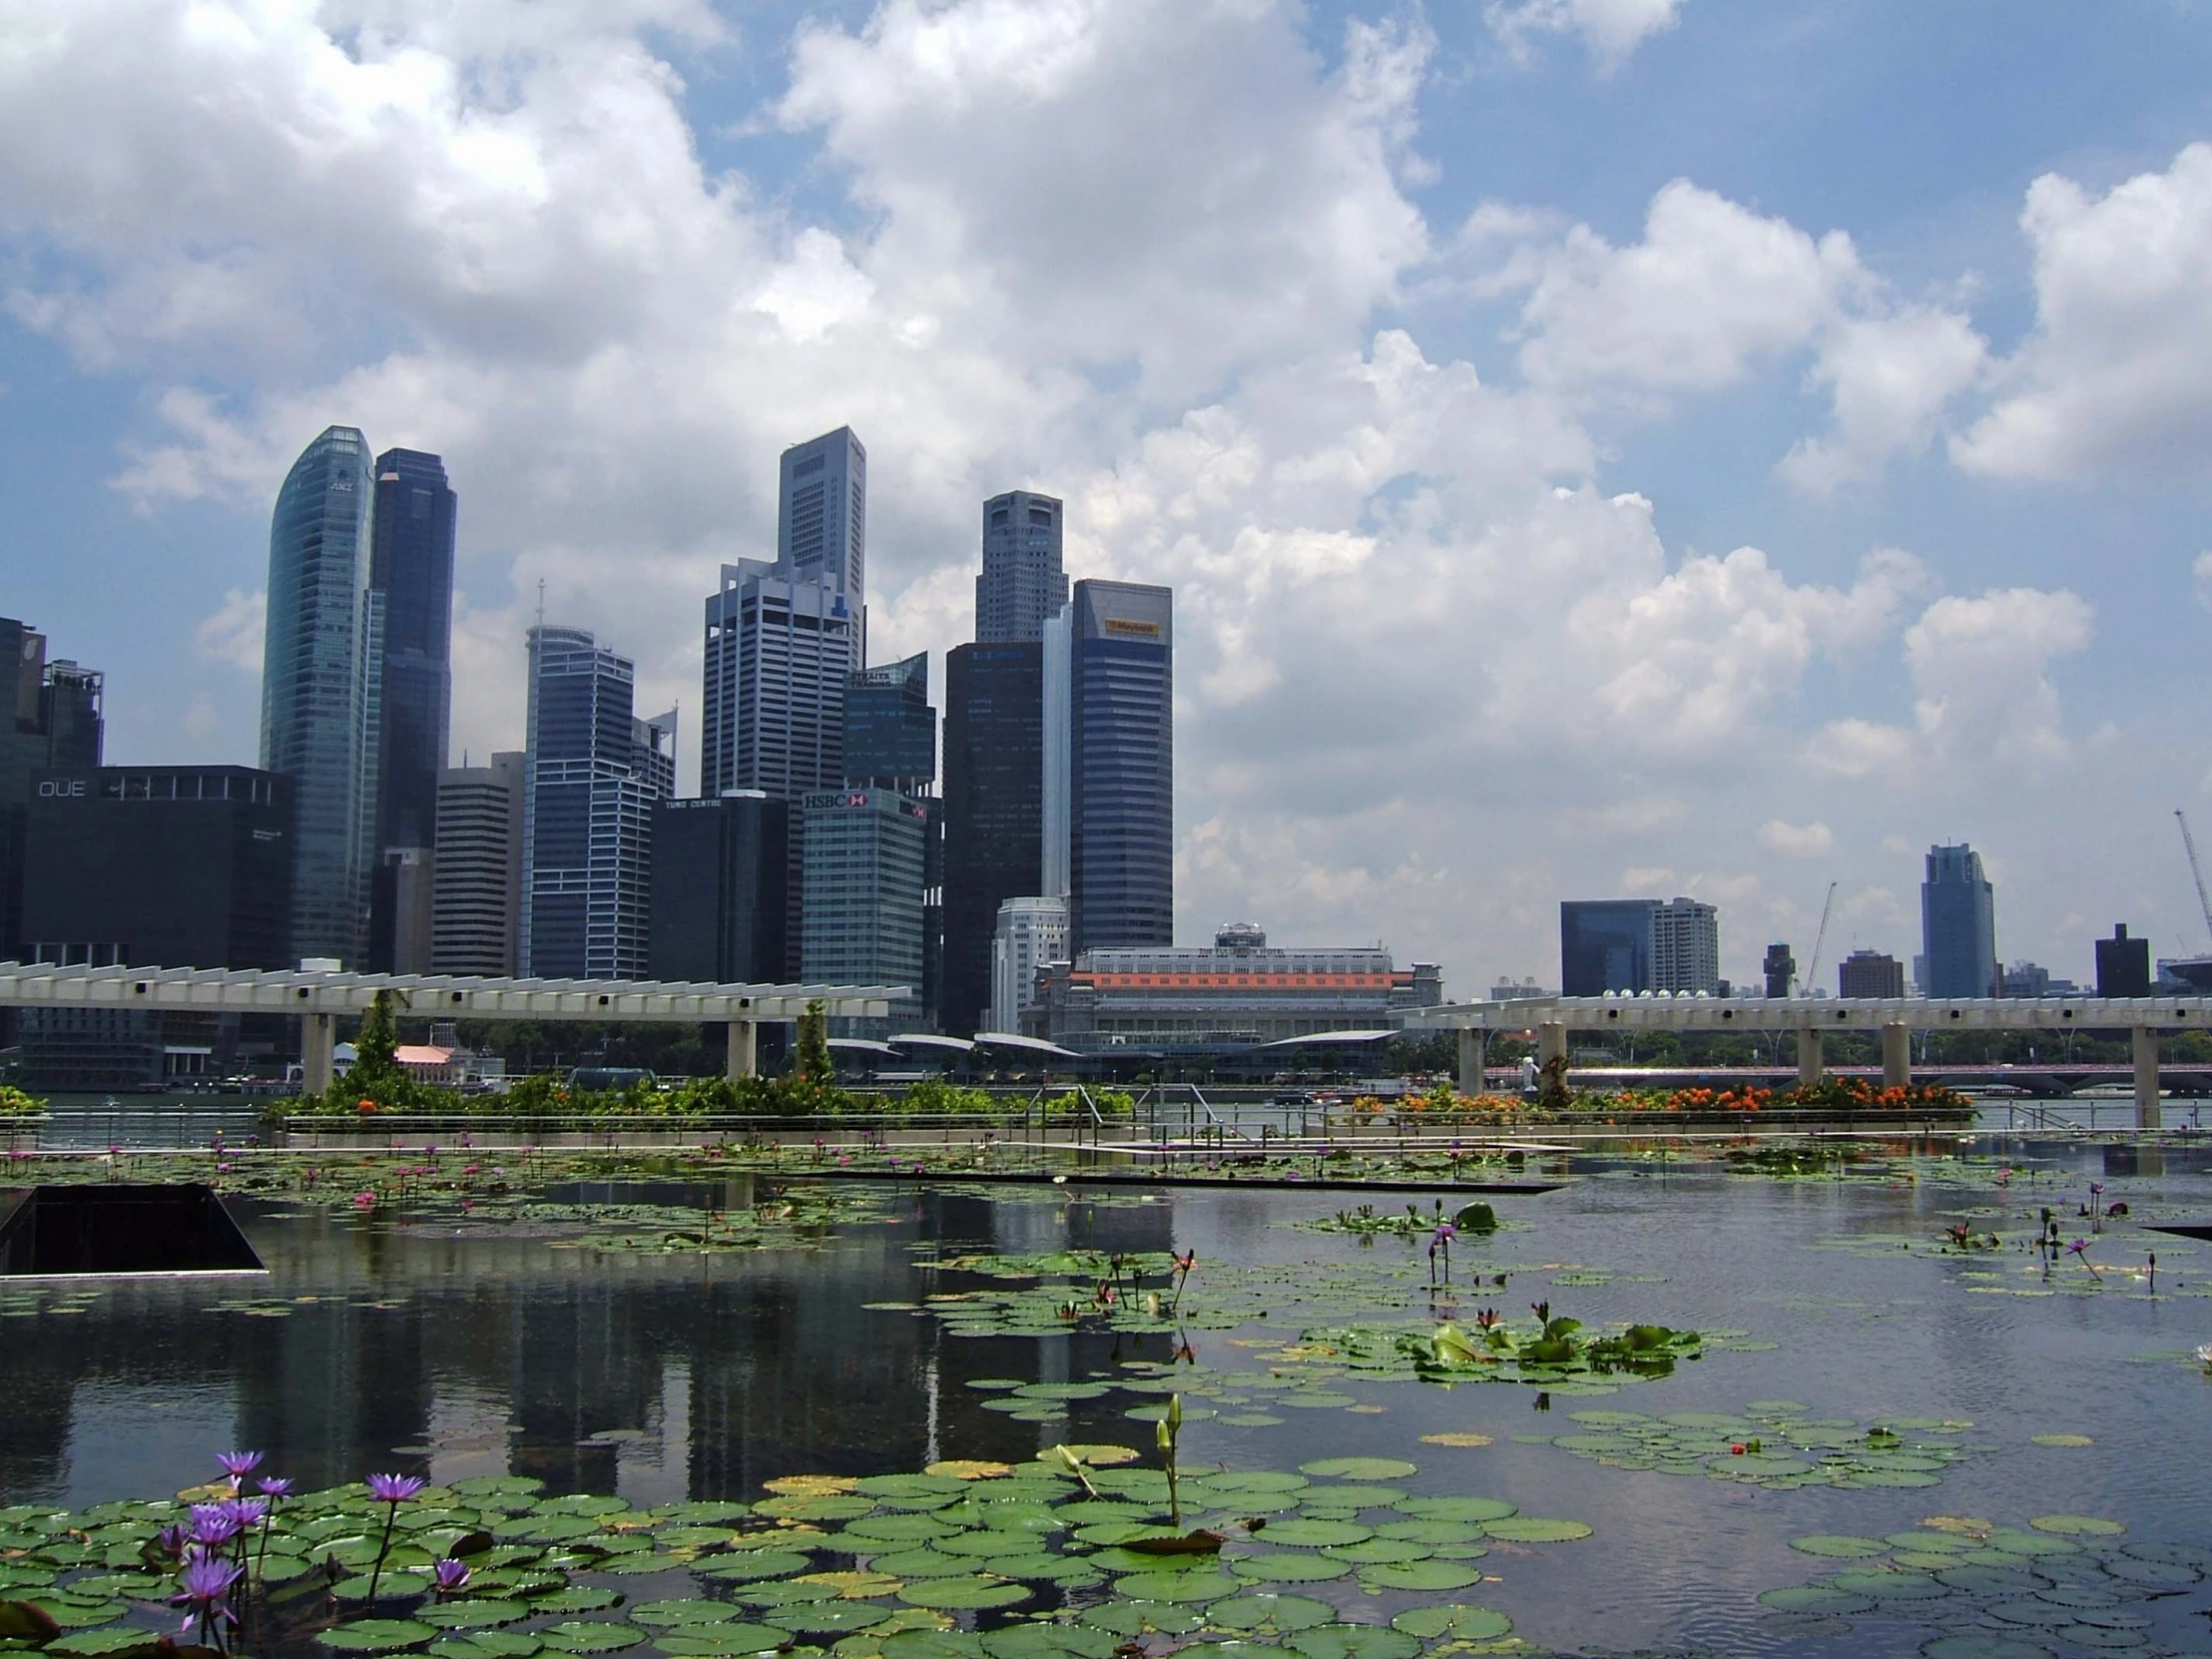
473 1613
1840 1544
1285 1614
1358 1468
743 1564
1280 1566
1048 1641
1465 1624
720 1641
377 1636
591 1636
1484 1510
1427 1576
827 1617
1194 1585
112 1643
1317 1534
1134 1618
976 1591
688 1610
1536 1530
1814 1598
1354 1641
2075 1526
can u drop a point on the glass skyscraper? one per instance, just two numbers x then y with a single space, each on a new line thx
320 701
822 513
1121 766
1022 586
1958 925
412 584
595 771
993 810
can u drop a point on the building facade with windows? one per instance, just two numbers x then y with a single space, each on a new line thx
1120 807
1869 974
476 907
320 701
993 784
1022 586
863 864
1958 925
595 772
1032 931
721 909
411 587
1239 990
2123 965
50 718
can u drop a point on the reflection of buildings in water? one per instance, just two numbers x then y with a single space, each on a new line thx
657 1377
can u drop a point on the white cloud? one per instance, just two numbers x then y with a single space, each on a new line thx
1797 840
2201 572
1891 377
234 634
1611 29
2116 376
1984 701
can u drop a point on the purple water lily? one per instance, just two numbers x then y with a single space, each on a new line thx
1441 1239
212 1526
452 1575
205 1588
392 1490
238 1464
275 1486
170 1542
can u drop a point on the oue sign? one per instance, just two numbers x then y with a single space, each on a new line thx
61 788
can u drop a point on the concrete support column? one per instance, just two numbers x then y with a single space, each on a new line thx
744 1051
1809 1066
1897 1056
2146 1077
319 1041
1551 1045
1474 1043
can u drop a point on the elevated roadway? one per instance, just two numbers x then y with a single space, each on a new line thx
1551 1019
317 999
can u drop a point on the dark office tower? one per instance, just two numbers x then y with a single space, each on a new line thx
1606 945
891 730
720 907
861 854
595 772
1869 974
821 515
1779 967
993 810
476 910
1959 928
1121 766
2123 965
49 717
1022 587
412 579
320 698
159 866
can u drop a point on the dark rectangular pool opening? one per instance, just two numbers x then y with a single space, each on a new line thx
121 1229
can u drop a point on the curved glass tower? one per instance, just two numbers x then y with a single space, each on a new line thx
319 701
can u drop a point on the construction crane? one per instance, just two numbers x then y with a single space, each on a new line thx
1813 964
2189 845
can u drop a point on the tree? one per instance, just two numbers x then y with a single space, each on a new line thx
377 1075
814 1063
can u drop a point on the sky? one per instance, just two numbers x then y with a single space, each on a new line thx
1600 447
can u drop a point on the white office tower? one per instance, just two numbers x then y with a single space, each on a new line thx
1030 932
1685 946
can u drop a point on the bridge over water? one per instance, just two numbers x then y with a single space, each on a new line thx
1551 1019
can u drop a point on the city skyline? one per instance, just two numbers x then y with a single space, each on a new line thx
1693 453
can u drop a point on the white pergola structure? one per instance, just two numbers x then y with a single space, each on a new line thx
1896 1018
318 998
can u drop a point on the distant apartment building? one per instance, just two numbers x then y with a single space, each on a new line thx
1958 925
1517 990
477 903
1869 974
1779 969
1032 931
1237 991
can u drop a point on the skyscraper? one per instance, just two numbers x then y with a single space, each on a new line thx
821 516
411 581
891 730
1958 926
595 771
319 701
993 810
50 716
863 908
719 869
1031 932
1021 587
477 909
2123 965
1605 945
1121 766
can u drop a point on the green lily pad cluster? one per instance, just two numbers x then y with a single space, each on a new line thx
1771 1443
1045 1561
2060 1585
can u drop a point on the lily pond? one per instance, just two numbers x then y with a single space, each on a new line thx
1896 1400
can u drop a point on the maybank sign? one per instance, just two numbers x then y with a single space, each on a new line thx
1129 628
